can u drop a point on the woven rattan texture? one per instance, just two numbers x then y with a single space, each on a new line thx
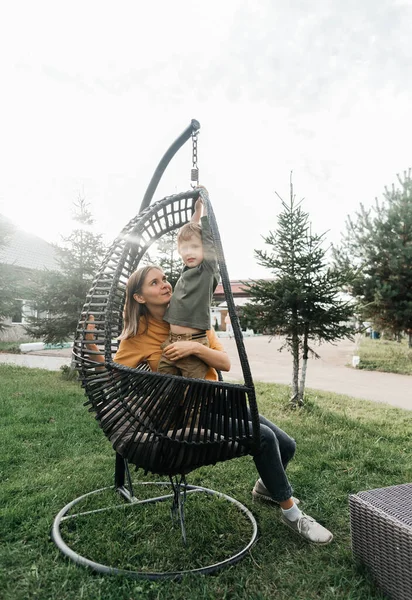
164 424
381 529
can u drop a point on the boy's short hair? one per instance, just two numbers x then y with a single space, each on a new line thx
188 231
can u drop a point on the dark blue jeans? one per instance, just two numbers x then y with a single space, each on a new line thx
276 450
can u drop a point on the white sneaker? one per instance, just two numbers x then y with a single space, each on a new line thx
309 529
260 492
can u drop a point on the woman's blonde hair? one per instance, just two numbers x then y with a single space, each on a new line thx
133 311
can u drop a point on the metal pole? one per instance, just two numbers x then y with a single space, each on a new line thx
161 167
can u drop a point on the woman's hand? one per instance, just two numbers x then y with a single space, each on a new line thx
91 327
179 350
217 359
91 346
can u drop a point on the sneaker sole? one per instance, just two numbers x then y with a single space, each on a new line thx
269 499
285 521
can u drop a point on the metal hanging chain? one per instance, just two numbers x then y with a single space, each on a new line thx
194 174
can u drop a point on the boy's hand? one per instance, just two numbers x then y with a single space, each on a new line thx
198 211
202 188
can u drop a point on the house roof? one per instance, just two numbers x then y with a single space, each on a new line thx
27 250
241 294
238 289
237 302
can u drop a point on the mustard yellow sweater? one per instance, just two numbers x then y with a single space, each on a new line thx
145 346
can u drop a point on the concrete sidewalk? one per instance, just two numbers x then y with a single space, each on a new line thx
329 373
34 361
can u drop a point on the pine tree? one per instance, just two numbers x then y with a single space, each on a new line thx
302 302
59 296
8 282
379 242
168 257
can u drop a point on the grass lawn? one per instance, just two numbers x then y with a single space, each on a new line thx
53 451
384 355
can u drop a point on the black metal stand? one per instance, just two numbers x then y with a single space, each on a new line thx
134 503
179 487
122 472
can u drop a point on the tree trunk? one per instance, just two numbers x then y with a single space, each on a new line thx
304 368
410 339
295 375
303 380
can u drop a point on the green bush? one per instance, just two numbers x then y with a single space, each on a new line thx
68 373
11 347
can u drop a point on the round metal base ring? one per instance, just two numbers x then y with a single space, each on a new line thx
81 560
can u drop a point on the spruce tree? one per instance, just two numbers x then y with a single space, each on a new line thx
167 256
379 242
302 302
8 281
59 295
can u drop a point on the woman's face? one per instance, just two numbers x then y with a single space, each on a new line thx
156 290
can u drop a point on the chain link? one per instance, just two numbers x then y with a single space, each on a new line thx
194 175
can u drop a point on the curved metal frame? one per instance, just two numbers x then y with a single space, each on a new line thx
167 157
81 560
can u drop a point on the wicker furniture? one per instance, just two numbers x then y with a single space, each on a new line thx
381 529
162 424
148 417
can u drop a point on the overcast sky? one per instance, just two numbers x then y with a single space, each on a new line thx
94 92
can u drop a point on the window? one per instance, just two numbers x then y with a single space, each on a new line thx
22 310
17 312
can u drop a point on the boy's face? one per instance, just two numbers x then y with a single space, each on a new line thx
191 251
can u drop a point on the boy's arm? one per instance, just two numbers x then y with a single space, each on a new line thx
198 208
210 258
198 212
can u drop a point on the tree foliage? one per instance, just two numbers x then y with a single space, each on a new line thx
59 295
302 302
379 242
167 256
8 281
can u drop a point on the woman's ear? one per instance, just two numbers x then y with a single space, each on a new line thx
139 299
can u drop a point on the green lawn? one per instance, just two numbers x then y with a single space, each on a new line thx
384 355
52 451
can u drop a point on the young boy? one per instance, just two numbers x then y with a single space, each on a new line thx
189 309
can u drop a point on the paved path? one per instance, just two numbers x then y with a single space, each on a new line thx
329 373
50 363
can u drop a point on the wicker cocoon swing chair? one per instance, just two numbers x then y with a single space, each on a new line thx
164 424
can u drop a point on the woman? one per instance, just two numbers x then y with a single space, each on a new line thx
147 296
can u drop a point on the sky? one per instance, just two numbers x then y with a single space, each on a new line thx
94 92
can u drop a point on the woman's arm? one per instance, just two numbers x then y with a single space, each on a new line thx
218 359
91 327
214 357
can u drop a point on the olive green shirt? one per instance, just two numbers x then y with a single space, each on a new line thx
190 303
